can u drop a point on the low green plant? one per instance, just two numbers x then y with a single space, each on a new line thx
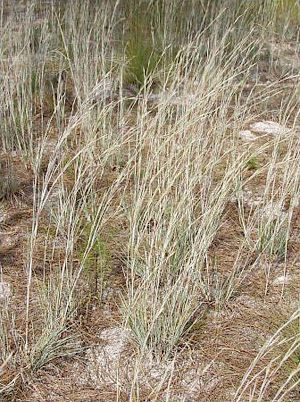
143 61
34 82
97 264
252 164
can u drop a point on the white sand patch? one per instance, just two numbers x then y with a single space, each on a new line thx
104 361
269 127
274 210
282 280
252 199
175 99
108 365
5 291
247 135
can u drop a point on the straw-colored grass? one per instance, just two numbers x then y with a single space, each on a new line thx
133 203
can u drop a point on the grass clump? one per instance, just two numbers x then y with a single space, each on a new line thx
143 63
273 237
